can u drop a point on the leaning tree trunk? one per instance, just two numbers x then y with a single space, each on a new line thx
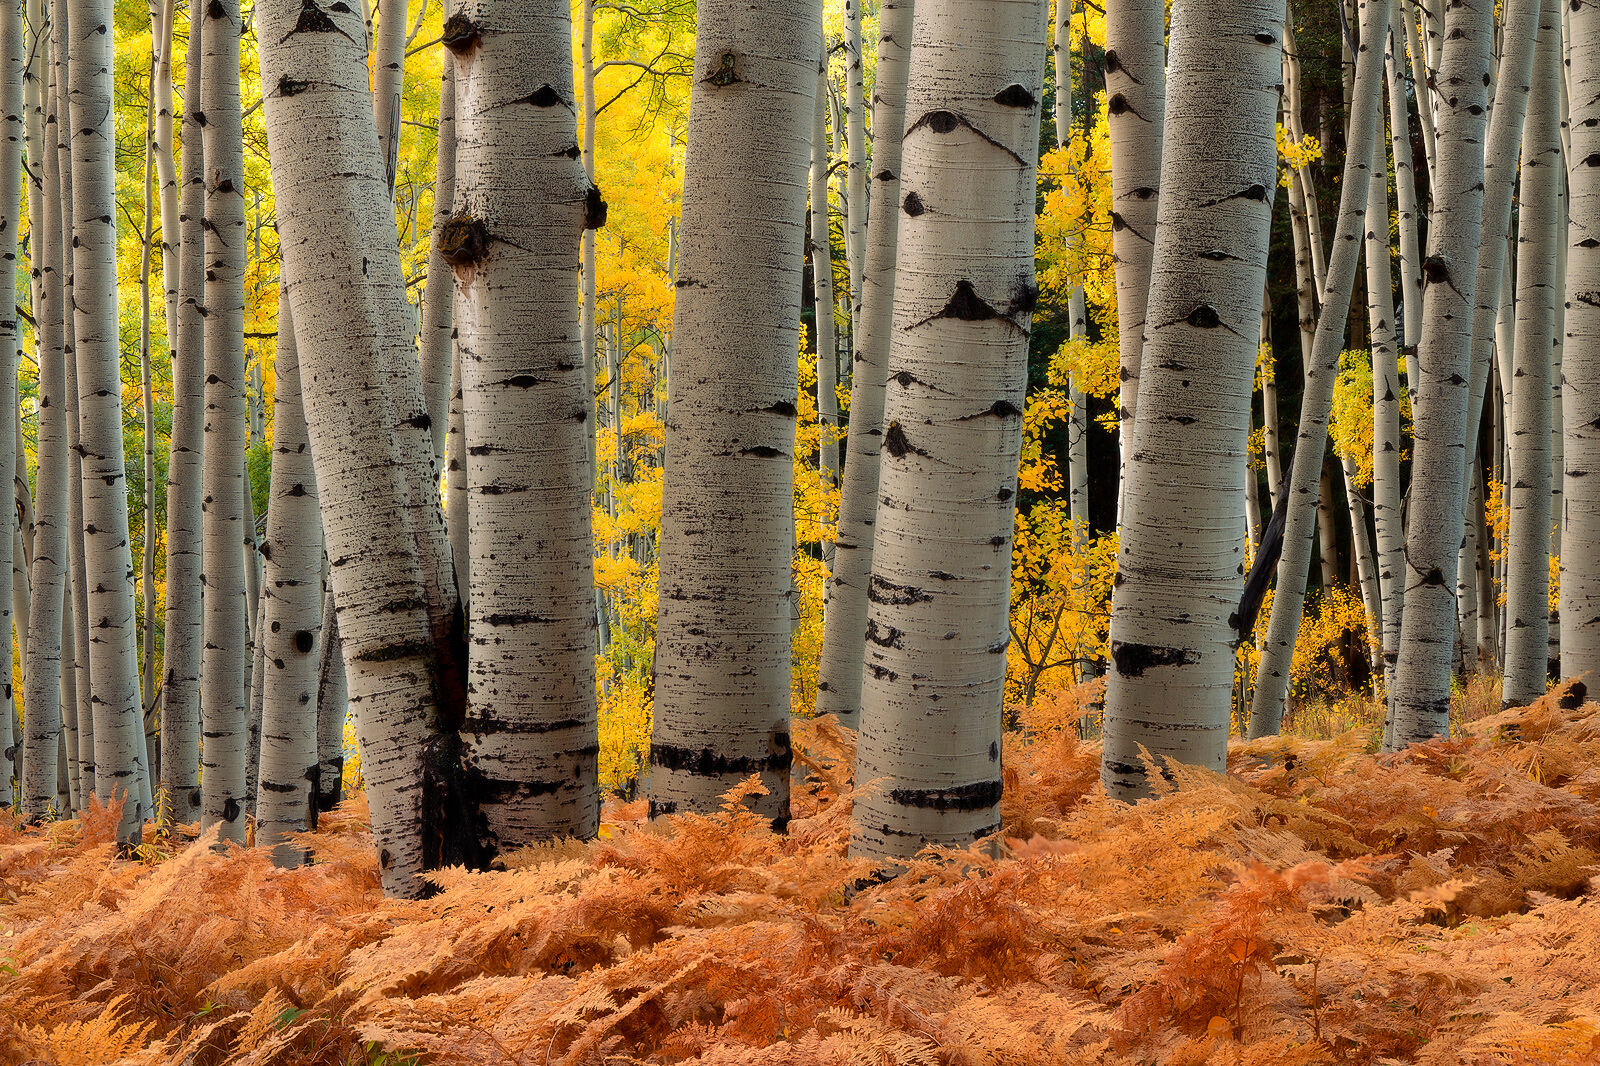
1438 471
13 42
1181 557
821 252
941 585
1136 64
365 409
1322 371
292 620
41 724
1538 231
223 681
1580 400
722 650
531 738
844 621
438 330
180 685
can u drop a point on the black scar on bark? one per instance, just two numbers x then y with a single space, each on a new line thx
782 407
287 86
303 640
1133 659
726 71
707 763
594 209
461 34
881 591
544 96
973 797
887 637
1015 96
895 442
312 20
1573 698
463 241
231 810
913 205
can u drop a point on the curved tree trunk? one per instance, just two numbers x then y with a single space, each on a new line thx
531 739
1538 231
180 686
1171 686
1580 403
844 623
1438 470
292 620
223 678
937 625
364 404
722 650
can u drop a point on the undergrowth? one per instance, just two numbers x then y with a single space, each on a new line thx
1318 904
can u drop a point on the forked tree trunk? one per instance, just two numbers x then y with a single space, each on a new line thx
1438 471
292 620
844 622
531 739
224 680
1580 402
1170 689
722 650
937 625
397 614
1538 231
180 686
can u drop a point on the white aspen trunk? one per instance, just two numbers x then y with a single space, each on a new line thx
722 650
1078 316
1387 518
1557 420
333 707
42 671
531 739
844 623
937 625
292 620
1327 535
13 58
1405 179
1300 178
586 250
855 140
388 77
162 20
1136 65
362 389
1433 532
1580 402
254 697
224 677
822 277
1538 232
1487 636
438 299
1270 438
1172 637
1467 599
68 743
147 547
1308 472
457 507
180 685
1366 560
1422 86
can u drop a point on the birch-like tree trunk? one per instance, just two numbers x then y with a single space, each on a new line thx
1405 183
41 725
844 623
1322 371
180 685
937 625
1271 449
531 738
1181 558
292 620
388 78
362 388
1580 367
1538 233
855 142
13 59
821 250
224 681
1387 520
333 707
438 299
1136 65
163 15
722 650
1438 470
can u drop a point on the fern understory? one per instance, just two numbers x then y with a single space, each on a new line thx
1318 904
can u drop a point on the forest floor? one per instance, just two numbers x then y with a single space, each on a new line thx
1318 904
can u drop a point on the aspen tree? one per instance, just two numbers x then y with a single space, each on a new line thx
844 623
180 684
41 724
855 141
530 741
1421 704
1136 65
333 707
1528 480
438 299
821 250
388 79
292 617
225 660
13 44
1580 367
1388 523
365 413
1077 310
723 624
1322 371
1169 689
163 22
1270 447
1405 185
937 624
